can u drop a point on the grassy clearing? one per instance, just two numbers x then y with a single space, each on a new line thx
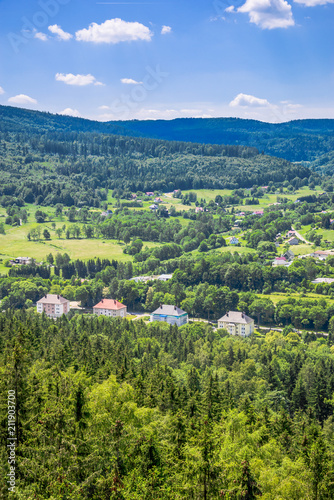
277 297
301 249
327 234
15 243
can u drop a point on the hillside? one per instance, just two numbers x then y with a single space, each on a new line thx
45 160
300 140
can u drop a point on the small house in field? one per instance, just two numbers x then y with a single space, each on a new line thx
149 193
53 305
289 254
110 307
234 241
293 241
237 323
154 207
321 254
172 315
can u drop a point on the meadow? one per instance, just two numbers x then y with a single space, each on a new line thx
15 242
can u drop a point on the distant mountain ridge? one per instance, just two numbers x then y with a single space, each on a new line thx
299 140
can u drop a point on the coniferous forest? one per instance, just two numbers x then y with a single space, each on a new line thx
122 410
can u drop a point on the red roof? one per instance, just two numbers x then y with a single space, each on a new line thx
109 304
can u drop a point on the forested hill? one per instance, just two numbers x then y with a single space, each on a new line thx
41 158
301 140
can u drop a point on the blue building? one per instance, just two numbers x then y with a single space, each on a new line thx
170 314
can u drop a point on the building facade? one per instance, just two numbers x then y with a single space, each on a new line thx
237 323
172 315
110 307
54 306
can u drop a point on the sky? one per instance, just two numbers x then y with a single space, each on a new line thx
270 60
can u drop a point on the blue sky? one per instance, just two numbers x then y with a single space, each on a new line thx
270 60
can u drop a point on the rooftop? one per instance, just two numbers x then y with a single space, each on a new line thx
109 304
52 299
169 310
236 317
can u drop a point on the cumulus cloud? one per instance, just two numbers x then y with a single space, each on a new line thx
166 30
1 91
248 100
114 31
130 81
41 36
269 14
61 34
70 112
313 3
79 80
230 9
22 99
104 107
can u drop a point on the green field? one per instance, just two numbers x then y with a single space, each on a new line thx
276 297
327 234
15 243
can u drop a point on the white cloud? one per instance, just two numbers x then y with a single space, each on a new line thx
1 91
269 14
79 80
70 112
129 81
230 9
103 107
114 31
22 99
41 36
248 100
61 34
166 30
313 3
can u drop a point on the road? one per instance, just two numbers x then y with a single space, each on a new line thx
300 237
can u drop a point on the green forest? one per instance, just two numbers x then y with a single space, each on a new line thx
114 409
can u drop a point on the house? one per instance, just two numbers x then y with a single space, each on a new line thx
165 277
291 233
149 193
110 307
158 200
279 261
289 254
258 212
323 280
199 209
172 315
53 305
321 254
22 261
234 241
237 323
154 207
293 241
